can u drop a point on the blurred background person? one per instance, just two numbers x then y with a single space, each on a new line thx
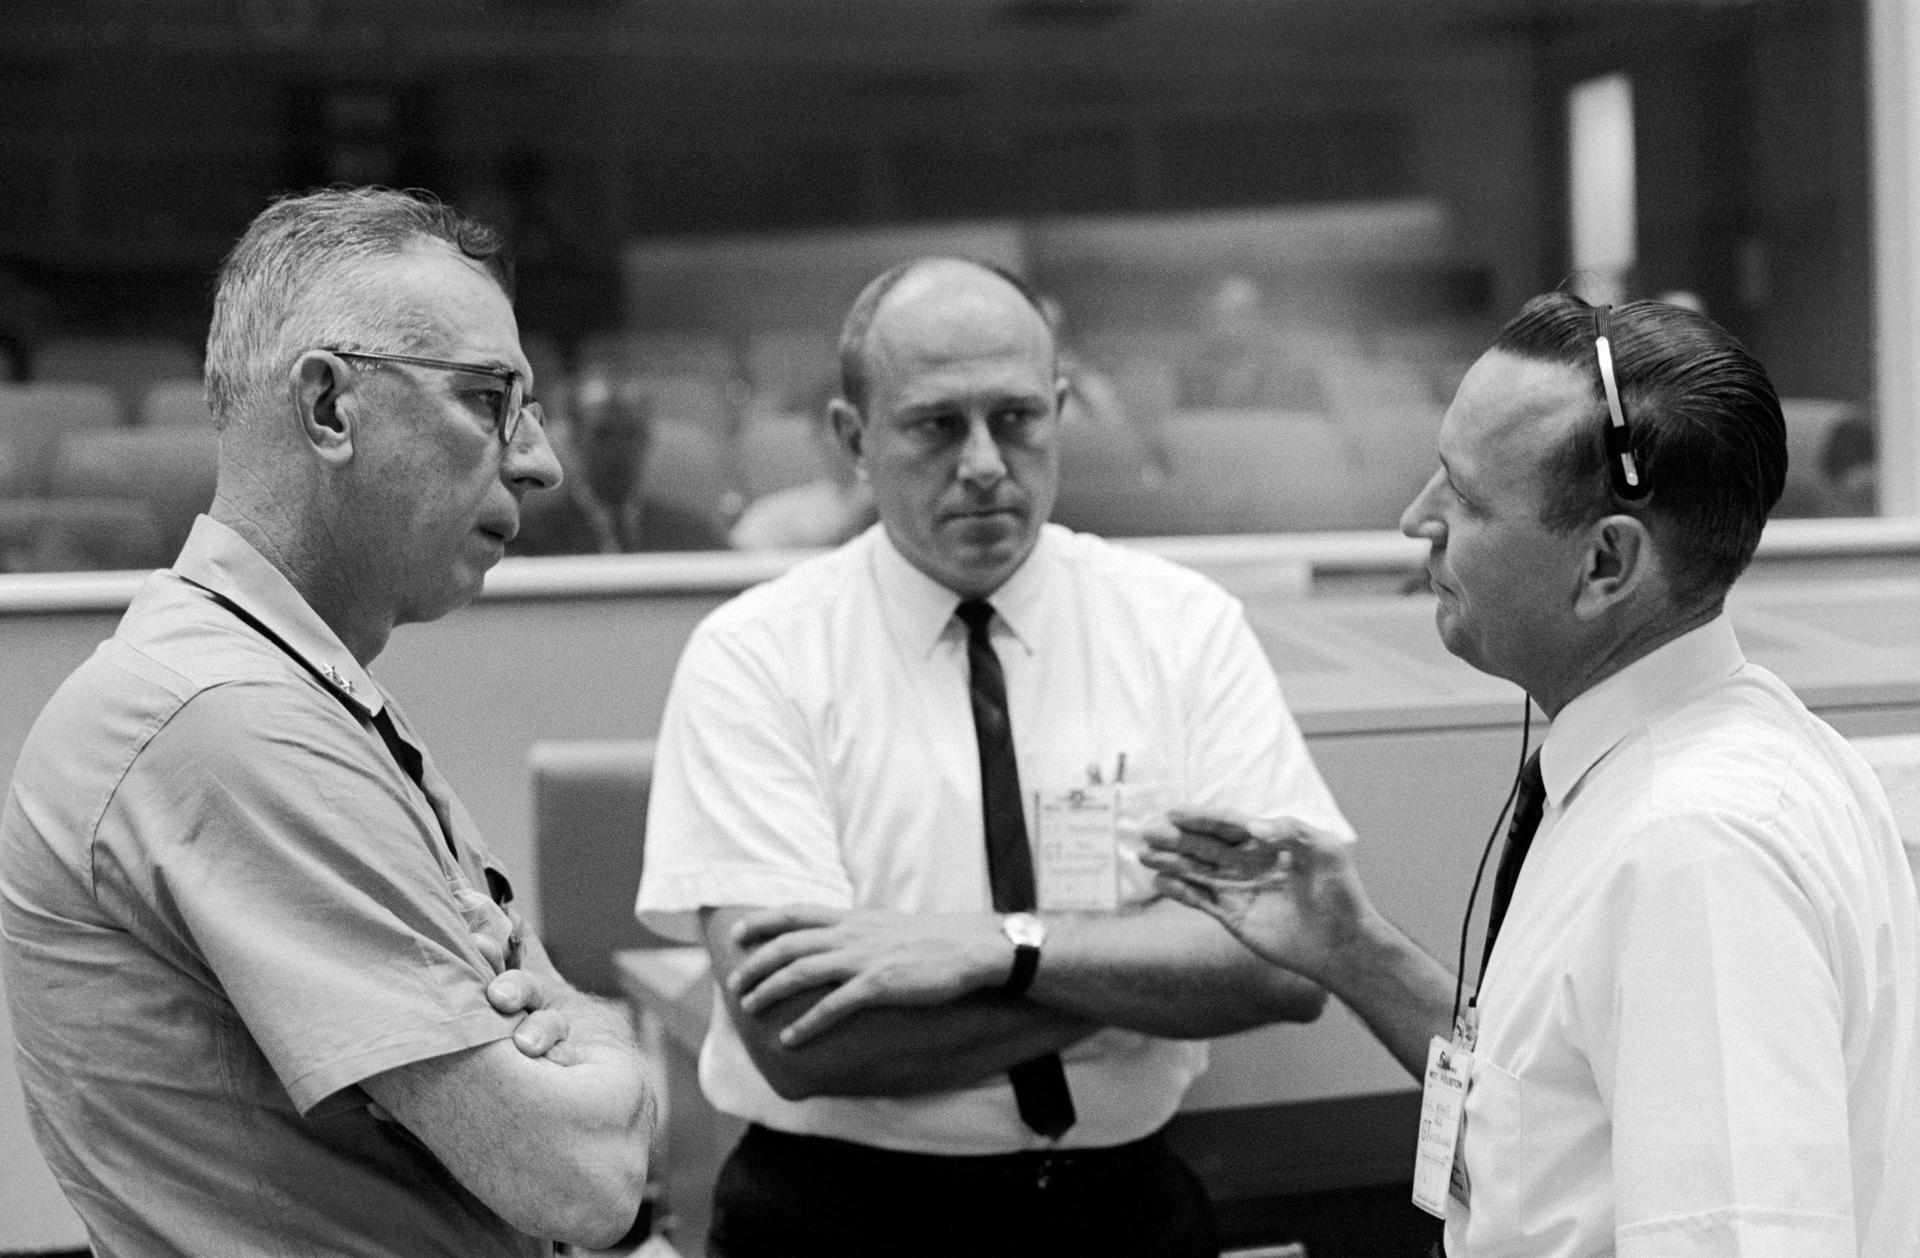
1244 359
832 508
603 507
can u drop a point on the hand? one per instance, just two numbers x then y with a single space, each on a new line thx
544 1030
1285 889
868 957
497 929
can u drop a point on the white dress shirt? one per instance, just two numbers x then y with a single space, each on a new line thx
1698 1031
818 746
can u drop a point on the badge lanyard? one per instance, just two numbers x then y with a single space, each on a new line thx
1439 1171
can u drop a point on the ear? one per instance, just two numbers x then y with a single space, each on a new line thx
848 428
325 402
1620 560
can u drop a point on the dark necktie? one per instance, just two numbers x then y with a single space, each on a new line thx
404 752
408 757
1040 1085
1528 805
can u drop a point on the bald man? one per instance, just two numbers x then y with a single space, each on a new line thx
897 796
270 989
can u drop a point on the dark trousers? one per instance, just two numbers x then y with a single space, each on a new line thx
787 1196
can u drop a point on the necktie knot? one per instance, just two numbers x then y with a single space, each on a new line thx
976 614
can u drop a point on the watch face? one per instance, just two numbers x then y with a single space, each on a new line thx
1025 929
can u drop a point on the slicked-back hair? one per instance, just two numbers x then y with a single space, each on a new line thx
298 279
1706 428
855 380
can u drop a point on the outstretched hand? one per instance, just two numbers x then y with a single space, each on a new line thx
1285 889
867 957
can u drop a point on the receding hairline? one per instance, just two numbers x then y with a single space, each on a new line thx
382 273
1548 410
858 332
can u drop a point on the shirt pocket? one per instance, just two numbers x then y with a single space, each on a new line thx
1493 1143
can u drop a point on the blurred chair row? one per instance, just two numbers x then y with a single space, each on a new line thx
1196 471
104 498
105 457
126 366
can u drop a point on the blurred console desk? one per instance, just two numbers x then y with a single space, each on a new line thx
1419 749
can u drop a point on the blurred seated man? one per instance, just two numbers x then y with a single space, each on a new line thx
1850 467
1093 406
602 507
824 511
1243 359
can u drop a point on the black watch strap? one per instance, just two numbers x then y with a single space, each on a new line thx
1026 963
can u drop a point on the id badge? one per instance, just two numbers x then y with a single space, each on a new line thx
1437 1169
1079 867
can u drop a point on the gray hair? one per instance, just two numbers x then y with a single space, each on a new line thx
296 280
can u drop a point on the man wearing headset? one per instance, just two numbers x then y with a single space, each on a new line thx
1699 1032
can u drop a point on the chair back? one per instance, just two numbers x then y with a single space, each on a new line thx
128 365
589 818
35 416
79 535
791 365
170 469
778 452
1269 471
693 466
178 403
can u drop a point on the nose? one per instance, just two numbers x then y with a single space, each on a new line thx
1420 520
980 461
529 461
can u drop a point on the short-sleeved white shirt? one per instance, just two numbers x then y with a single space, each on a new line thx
1700 1032
818 747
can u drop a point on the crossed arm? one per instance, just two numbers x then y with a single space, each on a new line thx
549 1128
873 1002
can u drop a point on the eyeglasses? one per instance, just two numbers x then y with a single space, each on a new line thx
1628 483
509 405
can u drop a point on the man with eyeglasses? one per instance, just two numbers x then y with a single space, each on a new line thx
269 988
1697 1025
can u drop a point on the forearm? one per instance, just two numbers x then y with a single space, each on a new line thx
559 1151
1165 970
1403 995
887 1047
896 1051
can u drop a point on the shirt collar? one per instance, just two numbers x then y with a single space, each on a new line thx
923 608
1659 682
220 560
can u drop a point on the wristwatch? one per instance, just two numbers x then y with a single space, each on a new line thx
1027 933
